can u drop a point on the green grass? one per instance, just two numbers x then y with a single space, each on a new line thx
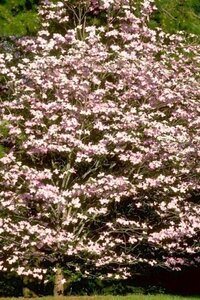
130 297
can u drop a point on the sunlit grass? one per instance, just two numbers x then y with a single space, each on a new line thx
130 297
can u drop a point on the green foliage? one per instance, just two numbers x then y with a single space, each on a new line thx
18 17
4 134
10 285
175 15
2 151
4 129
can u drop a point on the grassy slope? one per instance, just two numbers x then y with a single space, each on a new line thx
130 297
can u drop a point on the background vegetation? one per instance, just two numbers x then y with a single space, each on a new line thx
174 15
154 281
19 17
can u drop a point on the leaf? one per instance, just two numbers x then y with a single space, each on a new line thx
4 129
2 151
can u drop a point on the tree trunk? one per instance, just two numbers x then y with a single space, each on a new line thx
59 283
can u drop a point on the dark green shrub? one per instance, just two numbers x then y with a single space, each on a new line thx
10 285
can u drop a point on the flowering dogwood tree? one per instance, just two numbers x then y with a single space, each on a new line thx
103 155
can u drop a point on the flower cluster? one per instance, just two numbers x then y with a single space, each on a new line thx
103 158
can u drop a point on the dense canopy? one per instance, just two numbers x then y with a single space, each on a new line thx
101 129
